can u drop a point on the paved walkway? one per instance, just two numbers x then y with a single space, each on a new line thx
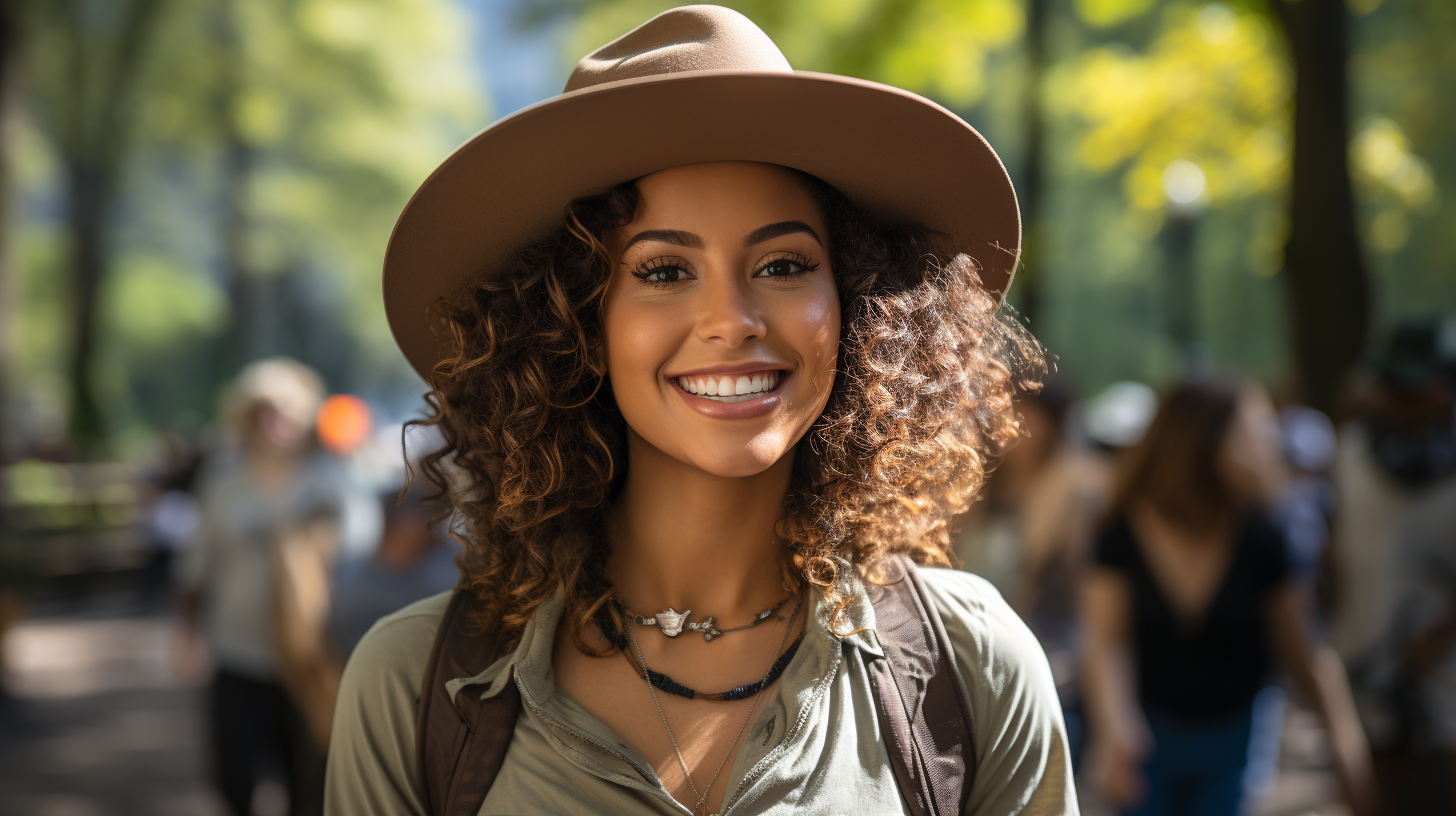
95 722
98 724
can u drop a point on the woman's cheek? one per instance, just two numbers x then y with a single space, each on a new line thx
817 332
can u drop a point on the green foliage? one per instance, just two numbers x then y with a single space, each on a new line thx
339 124
272 140
1111 12
152 303
1402 153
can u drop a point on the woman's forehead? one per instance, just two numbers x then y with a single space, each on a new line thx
722 196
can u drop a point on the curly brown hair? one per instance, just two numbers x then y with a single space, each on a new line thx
535 446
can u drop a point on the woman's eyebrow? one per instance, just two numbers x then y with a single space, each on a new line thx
762 234
678 237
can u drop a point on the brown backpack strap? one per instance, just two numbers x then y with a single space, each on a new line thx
920 696
461 744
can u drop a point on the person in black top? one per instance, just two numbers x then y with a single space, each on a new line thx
1185 608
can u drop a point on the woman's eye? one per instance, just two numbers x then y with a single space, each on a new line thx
787 267
665 274
661 274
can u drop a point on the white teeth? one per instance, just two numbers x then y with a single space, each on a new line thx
732 389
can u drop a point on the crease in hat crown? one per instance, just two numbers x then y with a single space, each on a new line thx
690 38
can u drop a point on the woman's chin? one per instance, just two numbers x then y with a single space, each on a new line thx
734 459
739 464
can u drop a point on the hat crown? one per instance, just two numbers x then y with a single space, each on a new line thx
690 38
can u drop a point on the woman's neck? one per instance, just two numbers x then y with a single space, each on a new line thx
688 539
1211 532
271 470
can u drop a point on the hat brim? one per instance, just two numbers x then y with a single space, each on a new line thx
899 156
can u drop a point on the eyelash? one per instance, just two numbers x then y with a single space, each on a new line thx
646 271
805 265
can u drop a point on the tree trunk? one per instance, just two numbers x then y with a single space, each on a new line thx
1328 288
94 144
239 162
9 59
242 285
91 195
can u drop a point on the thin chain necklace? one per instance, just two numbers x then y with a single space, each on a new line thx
702 796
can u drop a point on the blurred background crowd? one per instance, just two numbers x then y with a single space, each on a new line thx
1233 523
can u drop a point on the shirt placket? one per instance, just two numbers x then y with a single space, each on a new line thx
645 778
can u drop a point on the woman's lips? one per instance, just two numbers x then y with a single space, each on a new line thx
733 396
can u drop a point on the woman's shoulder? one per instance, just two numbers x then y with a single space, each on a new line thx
981 624
387 668
1115 545
1266 542
399 643
1022 761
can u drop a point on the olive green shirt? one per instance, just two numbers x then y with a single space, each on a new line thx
815 748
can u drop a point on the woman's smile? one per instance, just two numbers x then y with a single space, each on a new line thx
729 394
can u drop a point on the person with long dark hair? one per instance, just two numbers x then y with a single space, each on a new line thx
1186 607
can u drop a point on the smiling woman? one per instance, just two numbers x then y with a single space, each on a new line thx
715 386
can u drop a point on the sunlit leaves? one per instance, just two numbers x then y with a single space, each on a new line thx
1382 155
1110 12
1396 181
1211 89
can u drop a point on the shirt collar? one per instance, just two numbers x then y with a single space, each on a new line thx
531 660
859 614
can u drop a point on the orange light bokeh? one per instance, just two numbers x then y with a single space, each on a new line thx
343 422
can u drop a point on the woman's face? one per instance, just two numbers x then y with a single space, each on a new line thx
721 318
271 432
1249 460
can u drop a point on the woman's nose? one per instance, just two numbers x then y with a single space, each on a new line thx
729 315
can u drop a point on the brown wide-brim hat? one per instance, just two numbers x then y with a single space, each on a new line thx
694 84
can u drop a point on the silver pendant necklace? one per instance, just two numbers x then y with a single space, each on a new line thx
671 622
